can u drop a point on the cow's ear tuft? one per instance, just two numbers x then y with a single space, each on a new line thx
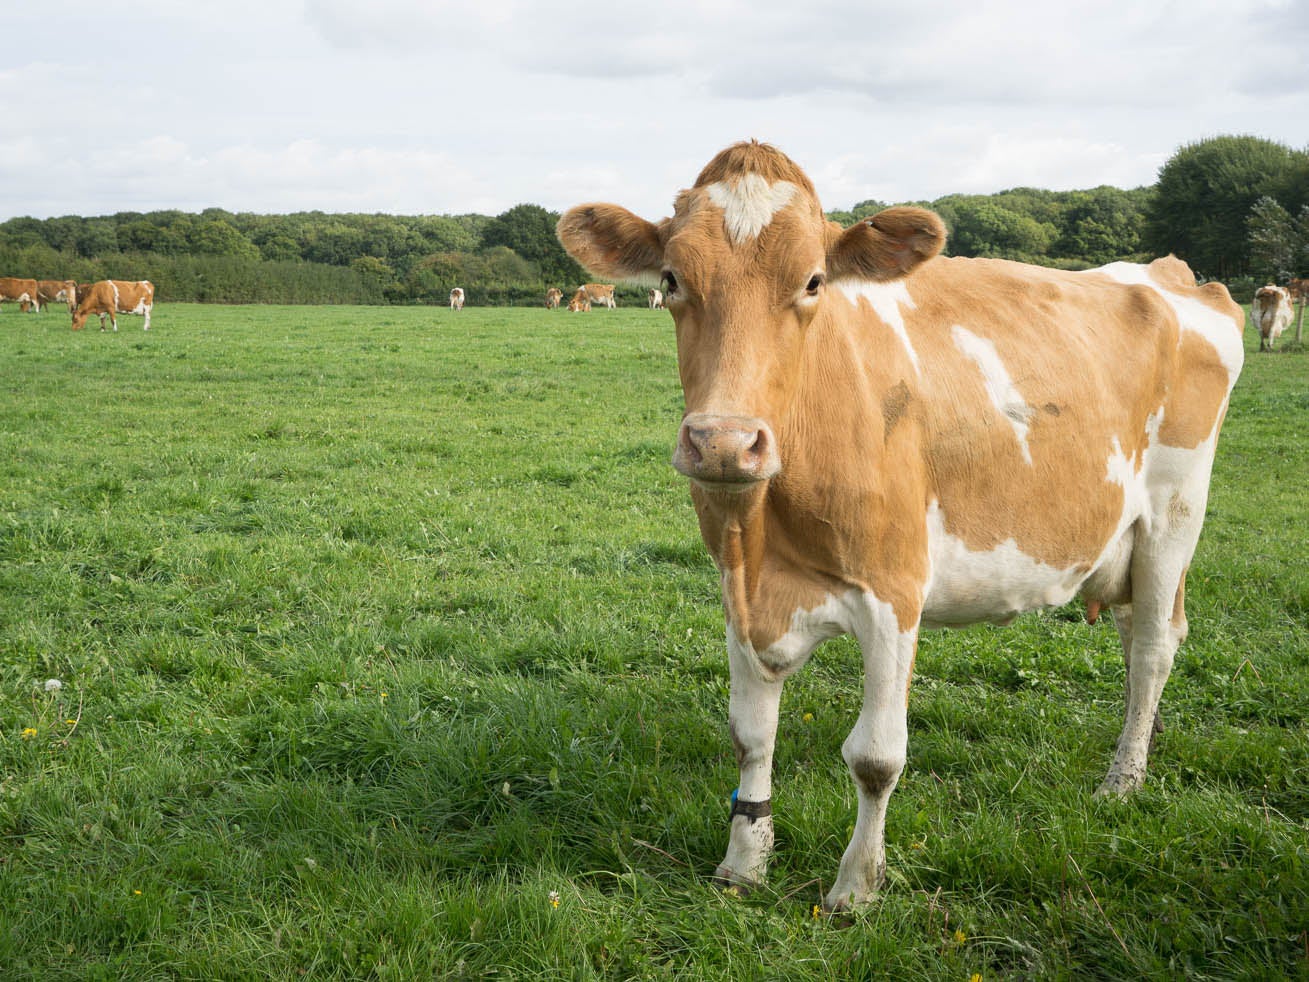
612 242
888 245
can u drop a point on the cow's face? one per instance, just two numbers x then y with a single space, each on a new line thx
744 265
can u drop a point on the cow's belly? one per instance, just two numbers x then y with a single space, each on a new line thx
968 586
995 586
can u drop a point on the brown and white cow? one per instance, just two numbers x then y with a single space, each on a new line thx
58 291
114 297
457 298
655 298
880 440
1272 313
553 297
20 291
579 303
601 293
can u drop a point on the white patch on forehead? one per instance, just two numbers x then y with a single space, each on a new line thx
887 300
750 204
1008 401
1214 326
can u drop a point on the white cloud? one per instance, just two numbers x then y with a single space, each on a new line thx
421 106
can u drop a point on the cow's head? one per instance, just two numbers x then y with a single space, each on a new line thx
744 265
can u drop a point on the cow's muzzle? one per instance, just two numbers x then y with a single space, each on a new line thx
726 452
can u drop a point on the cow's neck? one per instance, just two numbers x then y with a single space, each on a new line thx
804 537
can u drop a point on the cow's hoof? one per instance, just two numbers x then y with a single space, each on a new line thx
1117 786
729 883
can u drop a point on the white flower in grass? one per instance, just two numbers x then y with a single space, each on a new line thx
554 898
53 685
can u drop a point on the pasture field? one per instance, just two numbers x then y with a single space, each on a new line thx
388 649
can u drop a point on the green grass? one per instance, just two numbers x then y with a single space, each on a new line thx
376 626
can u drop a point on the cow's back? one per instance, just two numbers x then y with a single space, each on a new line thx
1046 360
1035 402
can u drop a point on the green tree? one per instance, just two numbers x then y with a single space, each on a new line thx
1279 243
529 230
1102 225
218 237
983 228
334 242
374 271
1204 197
99 237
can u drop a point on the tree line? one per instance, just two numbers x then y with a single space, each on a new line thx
1235 207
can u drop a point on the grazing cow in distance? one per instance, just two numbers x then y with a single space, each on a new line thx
553 297
58 291
579 302
114 297
656 298
20 291
457 298
601 293
1271 312
881 440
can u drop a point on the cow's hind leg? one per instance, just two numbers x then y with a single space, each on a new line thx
875 752
1153 626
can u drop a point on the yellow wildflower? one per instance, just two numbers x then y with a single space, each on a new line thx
29 732
959 937
808 717
816 912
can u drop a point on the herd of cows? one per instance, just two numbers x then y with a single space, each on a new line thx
1272 310
586 294
106 298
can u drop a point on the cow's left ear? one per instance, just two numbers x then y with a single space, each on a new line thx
612 242
886 246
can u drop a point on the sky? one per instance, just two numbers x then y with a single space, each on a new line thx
421 108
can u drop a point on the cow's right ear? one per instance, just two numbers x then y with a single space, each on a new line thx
612 242
886 246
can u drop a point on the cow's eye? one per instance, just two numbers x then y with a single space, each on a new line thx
669 283
815 281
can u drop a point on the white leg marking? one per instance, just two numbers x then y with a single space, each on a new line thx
753 712
876 748
1179 491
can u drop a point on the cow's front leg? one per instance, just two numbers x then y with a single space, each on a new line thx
752 715
875 752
